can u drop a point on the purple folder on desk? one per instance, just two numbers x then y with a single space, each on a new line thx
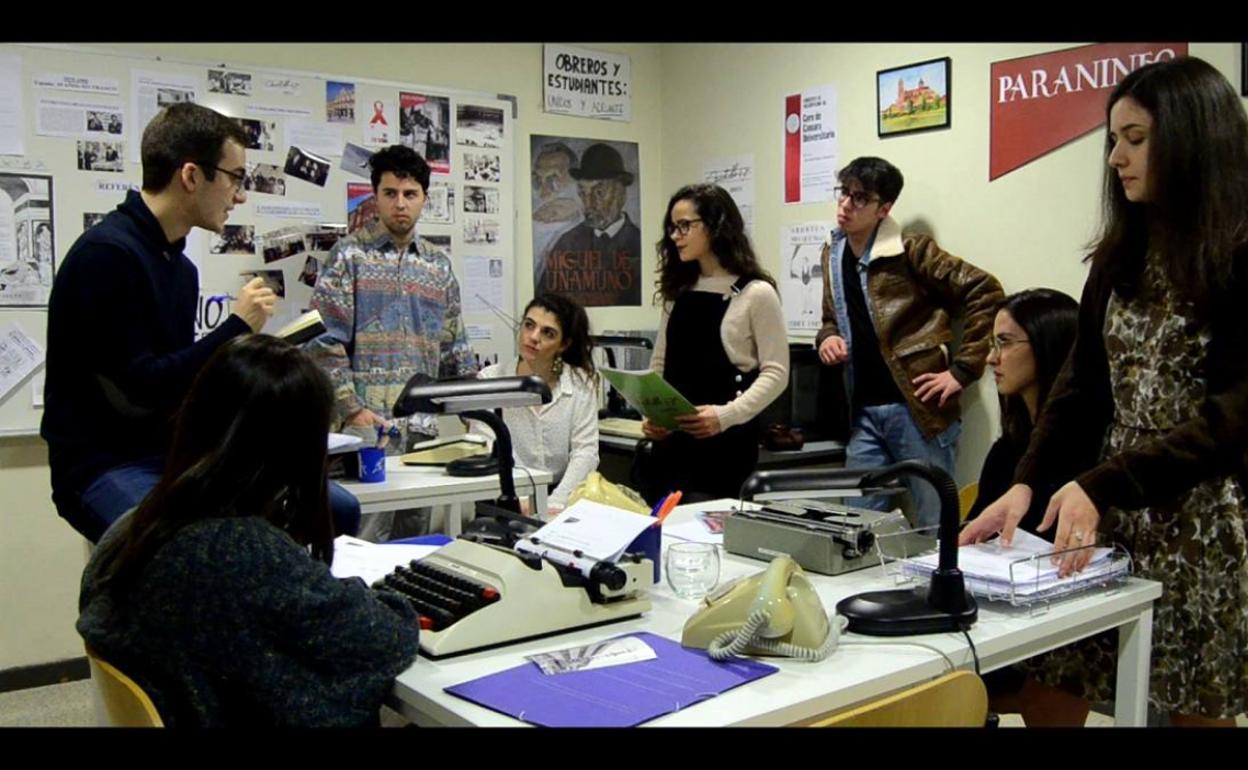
618 696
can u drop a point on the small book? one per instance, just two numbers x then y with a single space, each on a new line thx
650 394
305 327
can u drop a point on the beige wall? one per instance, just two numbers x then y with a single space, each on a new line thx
41 558
690 103
1028 228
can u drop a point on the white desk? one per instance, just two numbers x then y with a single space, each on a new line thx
854 674
420 486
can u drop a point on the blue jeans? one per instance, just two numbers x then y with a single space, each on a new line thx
887 434
125 486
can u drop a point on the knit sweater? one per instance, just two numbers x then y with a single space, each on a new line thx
232 623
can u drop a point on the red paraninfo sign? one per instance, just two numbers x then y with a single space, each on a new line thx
1040 103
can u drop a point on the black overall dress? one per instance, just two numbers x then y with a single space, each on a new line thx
697 365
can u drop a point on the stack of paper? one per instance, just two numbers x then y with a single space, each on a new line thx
1021 570
599 532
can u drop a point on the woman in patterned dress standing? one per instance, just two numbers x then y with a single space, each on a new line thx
1158 379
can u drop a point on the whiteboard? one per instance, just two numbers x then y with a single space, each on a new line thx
82 112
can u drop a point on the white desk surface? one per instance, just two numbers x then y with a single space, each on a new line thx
424 485
853 674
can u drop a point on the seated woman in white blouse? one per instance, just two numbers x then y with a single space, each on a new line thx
562 436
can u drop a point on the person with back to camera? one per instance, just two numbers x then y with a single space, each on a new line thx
215 594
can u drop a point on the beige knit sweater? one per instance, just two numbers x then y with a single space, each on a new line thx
753 335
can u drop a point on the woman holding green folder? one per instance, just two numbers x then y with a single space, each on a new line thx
721 343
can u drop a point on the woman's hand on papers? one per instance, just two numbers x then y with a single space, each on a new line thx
652 431
703 424
1077 519
1001 516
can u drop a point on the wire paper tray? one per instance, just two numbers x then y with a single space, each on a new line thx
1027 586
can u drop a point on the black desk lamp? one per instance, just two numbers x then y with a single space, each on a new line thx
475 399
944 606
616 405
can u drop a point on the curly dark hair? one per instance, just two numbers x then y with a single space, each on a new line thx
574 325
729 242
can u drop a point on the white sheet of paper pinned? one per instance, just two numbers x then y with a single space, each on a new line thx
609 652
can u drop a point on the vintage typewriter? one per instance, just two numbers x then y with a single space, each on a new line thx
822 536
479 591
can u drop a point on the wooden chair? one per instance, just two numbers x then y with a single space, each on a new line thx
966 498
125 703
954 700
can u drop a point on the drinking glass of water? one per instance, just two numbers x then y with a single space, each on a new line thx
692 569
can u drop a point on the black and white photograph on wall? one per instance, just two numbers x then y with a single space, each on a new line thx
480 200
339 102
275 279
325 237
224 82
482 167
306 166
355 161
167 96
100 156
260 133
283 243
266 178
441 243
439 204
27 246
234 239
477 230
478 126
91 219
496 268
425 126
104 122
586 198
310 272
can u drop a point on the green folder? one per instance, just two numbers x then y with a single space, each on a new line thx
650 394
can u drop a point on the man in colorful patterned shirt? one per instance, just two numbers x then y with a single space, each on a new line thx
391 307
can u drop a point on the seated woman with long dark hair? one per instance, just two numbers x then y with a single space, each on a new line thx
1031 337
215 594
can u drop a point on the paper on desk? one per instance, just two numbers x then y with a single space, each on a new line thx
988 565
604 654
373 561
343 442
693 531
599 531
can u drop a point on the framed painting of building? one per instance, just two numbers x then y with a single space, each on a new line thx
914 97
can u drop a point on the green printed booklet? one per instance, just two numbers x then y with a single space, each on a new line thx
650 394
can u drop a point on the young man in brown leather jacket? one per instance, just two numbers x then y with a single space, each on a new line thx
888 299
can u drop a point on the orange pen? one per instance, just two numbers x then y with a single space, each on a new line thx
672 500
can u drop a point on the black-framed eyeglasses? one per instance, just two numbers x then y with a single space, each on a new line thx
681 225
857 197
241 178
999 343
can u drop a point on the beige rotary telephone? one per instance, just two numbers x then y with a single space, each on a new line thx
775 612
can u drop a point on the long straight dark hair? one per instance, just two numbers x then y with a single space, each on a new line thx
224 463
1197 178
1050 319
729 242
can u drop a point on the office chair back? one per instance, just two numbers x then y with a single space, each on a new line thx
954 700
125 703
966 498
